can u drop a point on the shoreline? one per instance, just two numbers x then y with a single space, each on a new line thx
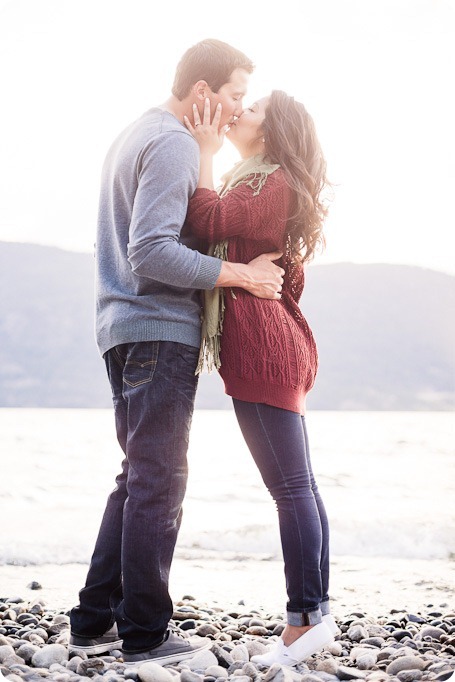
373 585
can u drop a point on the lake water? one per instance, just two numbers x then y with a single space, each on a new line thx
387 479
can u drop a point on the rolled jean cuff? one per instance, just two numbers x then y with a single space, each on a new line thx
299 619
325 607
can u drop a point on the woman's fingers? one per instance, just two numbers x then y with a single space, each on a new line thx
217 116
197 118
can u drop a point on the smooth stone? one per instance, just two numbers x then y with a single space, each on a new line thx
345 673
366 662
335 649
207 629
309 677
73 663
277 673
377 631
328 665
52 653
216 671
5 651
409 675
34 585
152 672
256 648
374 641
240 653
416 619
131 674
202 660
241 677
223 657
431 631
13 678
357 632
13 660
359 651
234 634
4 641
189 624
90 664
257 630
27 651
278 629
405 663
257 621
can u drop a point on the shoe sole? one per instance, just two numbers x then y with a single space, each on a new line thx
96 649
171 658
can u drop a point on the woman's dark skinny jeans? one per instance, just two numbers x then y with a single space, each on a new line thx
278 441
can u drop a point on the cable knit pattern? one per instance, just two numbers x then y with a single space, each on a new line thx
268 353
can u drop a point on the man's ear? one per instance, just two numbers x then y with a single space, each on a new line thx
201 90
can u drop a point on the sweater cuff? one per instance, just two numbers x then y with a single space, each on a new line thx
209 271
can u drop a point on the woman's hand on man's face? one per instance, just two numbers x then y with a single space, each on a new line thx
207 132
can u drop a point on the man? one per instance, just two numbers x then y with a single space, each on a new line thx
148 331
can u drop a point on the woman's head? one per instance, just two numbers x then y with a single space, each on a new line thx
283 131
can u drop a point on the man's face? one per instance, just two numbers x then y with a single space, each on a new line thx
230 95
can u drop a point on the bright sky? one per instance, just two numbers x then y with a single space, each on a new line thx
377 76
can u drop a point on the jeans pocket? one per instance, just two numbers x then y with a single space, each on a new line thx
141 363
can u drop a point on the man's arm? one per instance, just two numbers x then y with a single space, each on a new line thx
167 178
260 277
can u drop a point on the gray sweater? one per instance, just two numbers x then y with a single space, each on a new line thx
147 271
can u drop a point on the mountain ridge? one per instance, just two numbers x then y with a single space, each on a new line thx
385 335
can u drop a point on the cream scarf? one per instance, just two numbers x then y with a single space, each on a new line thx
254 173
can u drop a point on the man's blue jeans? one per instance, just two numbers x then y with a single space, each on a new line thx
153 387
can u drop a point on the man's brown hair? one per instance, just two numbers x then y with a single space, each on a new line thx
210 60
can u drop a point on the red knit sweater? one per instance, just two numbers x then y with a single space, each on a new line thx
268 354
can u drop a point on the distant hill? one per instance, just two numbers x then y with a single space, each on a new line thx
385 333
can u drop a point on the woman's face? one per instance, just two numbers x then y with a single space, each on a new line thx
245 133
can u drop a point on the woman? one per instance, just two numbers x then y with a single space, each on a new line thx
271 200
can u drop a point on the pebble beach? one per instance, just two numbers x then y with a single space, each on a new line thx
379 642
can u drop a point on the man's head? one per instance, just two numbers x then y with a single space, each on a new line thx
216 70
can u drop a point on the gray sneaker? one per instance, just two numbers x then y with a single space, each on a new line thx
174 649
93 646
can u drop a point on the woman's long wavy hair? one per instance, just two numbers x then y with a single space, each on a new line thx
290 140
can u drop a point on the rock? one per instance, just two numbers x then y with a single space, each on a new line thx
73 663
405 663
240 653
409 675
52 653
277 673
216 671
416 619
256 648
27 651
328 665
207 629
257 630
202 660
345 673
377 631
152 672
13 678
308 677
374 641
188 624
189 676
366 661
357 632
433 632
6 650
90 664
278 629
335 649
3 641
241 678
224 658
34 585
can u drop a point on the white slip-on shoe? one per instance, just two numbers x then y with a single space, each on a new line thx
329 620
312 641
